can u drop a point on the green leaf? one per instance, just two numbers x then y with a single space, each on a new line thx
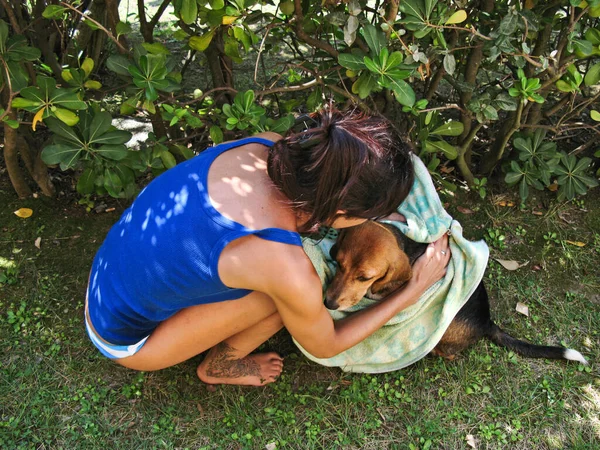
216 135
156 48
429 5
63 130
100 124
91 24
509 24
114 152
123 28
168 159
441 146
18 50
565 87
523 189
85 184
3 35
593 75
20 103
189 11
512 177
112 183
365 84
54 12
595 115
413 8
350 61
65 98
372 65
374 38
584 47
452 128
402 91
505 102
64 155
119 64
18 78
125 174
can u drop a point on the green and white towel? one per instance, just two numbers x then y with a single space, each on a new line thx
415 331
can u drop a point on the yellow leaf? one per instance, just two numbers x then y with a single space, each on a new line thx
37 118
200 43
576 243
228 20
23 213
91 84
458 17
66 116
66 75
88 66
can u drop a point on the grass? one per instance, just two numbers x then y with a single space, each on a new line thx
59 392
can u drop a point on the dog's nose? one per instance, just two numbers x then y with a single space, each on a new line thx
331 303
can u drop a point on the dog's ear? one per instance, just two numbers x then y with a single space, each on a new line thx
398 273
333 250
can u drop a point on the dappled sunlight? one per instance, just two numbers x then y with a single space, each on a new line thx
259 162
7 263
591 402
240 187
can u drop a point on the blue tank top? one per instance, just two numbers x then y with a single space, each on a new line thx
163 253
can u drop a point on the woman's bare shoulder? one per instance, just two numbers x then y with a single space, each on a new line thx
270 135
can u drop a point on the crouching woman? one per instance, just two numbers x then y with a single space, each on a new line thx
209 254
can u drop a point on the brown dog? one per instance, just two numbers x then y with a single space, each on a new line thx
375 259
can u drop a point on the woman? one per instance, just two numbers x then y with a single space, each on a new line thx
208 256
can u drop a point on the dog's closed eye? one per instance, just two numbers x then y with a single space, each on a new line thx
362 278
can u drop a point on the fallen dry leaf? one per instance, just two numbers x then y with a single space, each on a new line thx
577 243
23 213
506 203
522 308
38 242
471 441
553 187
465 210
536 267
537 213
271 446
109 210
510 265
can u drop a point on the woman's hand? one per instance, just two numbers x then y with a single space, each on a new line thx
432 265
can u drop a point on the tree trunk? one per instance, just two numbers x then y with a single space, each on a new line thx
11 159
220 66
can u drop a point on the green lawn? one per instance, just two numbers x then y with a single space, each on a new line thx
59 392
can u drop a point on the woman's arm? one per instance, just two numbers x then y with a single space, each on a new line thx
300 304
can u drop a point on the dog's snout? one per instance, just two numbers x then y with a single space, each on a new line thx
331 303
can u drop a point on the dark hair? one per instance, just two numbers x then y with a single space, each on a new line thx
348 161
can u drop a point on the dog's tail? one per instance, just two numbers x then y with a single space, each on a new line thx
499 337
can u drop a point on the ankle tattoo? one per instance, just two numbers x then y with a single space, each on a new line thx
223 365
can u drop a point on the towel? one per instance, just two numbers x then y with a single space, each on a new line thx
415 331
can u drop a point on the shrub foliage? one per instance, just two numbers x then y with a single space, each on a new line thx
478 86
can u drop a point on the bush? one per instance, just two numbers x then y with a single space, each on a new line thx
480 85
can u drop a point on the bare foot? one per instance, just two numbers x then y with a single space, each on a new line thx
221 367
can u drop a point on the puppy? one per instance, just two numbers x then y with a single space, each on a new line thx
375 259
